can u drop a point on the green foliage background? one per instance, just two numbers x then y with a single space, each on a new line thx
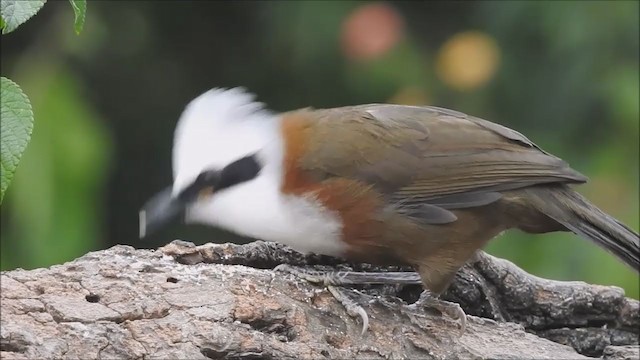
17 116
106 103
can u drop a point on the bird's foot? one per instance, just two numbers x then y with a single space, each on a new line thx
329 279
332 279
453 310
350 306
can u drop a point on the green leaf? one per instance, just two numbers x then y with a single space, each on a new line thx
16 12
79 9
16 124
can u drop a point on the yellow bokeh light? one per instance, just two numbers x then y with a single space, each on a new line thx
468 60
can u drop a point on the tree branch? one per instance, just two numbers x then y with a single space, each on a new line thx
183 301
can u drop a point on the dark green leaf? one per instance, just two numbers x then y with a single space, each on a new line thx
79 9
16 12
16 123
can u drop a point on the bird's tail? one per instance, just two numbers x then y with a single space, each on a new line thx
578 215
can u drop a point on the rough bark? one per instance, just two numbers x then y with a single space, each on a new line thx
184 301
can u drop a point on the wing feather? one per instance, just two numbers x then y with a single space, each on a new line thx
430 155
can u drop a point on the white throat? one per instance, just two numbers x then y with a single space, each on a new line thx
222 126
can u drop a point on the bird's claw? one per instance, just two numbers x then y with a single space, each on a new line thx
450 309
353 309
328 279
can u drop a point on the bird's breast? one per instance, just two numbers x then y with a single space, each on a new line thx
355 205
311 227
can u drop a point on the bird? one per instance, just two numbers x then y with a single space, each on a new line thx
386 184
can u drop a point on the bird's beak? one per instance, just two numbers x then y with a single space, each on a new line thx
159 211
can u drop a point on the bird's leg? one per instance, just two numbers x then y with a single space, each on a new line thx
453 310
331 279
352 277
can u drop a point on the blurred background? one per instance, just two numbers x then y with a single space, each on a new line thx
106 102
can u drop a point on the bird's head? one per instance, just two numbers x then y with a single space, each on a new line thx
223 140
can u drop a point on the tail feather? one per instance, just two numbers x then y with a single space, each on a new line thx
578 215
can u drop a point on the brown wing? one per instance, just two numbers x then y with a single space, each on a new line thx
428 154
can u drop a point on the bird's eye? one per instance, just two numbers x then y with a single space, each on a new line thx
202 186
205 192
207 177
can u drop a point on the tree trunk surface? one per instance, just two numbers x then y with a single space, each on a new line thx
224 301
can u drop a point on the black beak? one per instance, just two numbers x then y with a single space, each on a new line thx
163 207
159 211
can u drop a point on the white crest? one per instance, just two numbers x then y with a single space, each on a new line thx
215 129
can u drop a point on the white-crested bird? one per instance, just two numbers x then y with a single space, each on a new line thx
378 183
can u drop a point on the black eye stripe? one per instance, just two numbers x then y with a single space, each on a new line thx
204 179
237 172
207 177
